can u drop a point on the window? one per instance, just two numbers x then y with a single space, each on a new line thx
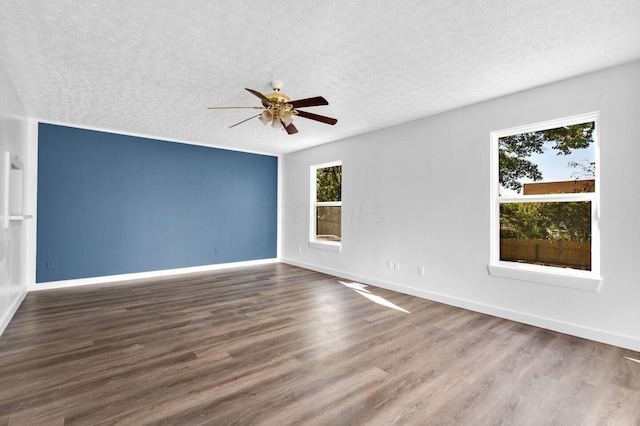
326 206
545 202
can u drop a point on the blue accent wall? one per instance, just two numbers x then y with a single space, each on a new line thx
113 204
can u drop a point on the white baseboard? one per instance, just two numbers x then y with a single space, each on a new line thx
144 275
547 323
6 318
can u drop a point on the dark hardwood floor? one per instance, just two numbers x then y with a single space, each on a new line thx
278 345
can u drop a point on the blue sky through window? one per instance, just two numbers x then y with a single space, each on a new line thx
556 167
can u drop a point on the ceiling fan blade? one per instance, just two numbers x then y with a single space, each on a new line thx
234 125
258 94
316 117
309 102
234 107
291 129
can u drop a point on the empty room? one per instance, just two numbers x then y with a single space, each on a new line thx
319 213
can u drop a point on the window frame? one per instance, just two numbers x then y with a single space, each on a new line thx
313 241
550 275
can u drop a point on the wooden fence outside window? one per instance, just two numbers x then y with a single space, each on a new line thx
572 254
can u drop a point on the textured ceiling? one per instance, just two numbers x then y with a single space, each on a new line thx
153 67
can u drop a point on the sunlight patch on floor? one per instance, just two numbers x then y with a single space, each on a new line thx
361 289
355 286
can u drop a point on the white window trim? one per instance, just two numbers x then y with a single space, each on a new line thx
313 241
563 277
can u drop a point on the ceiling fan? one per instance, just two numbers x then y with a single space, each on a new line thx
279 110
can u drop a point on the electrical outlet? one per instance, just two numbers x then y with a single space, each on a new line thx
51 264
299 249
389 264
216 252
421 270
396 266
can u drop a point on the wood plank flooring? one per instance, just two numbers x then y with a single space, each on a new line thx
280 345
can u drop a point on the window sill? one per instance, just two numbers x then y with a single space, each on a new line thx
581 280
326 245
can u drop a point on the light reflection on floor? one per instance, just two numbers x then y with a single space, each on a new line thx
633 359
361 290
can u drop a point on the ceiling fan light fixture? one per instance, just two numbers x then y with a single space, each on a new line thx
276 123
266 117
285 117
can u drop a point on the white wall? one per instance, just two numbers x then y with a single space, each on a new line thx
14 136
419 194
